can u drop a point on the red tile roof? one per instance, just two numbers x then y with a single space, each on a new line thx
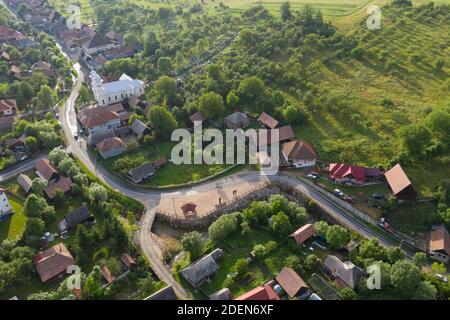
299 150
397 179
106 273
440 240
127 260
342 170
267 120
265 292
291 282
45 168
95 117
110 144
304 233
53 262
63 184
284 133
8 104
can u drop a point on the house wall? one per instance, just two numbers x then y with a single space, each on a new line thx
106 99
5 207
112 153
104 128
303 163
436 255
101 48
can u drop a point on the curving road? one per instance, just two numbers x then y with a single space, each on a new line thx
151 199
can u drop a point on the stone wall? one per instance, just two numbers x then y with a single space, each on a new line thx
238 204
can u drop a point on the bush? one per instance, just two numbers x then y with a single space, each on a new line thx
223 226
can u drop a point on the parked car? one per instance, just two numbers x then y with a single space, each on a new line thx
441 277
338 193
377 196
312 176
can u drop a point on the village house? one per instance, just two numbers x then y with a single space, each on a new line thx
262 293
197 118
119 53
63 184
8 107
292 284
439 243
25 182
237 120
141 173
139 128
97 44
201 270
267 121
77 217
222 294
345 273
166 293
99 121
304 233
399 183
115 91
107 275
299 154
53 262
344 173
7 122
111 147
114 36
264 141
46 170
44 68
5 207
14 73
8 35
128 261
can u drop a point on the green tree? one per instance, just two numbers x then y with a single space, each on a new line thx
415 139
425 291
312 262
211 105
57 155
285 11
241 268
32 144
98 193
92 288
292 262
223 226
321 228
420 259
337 237
281 224
166 91
46 97
294 115
164 65
151 43
232 100
162 122
25 94
193 243
38 185
348 294
405 277
394 254
259 251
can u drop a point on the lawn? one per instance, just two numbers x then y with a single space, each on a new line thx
170 174
13 227
260 271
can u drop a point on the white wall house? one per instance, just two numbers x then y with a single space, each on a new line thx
299 154
115 91
5 207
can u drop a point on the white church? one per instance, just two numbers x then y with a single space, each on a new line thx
115 91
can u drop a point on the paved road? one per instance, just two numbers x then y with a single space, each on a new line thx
21 167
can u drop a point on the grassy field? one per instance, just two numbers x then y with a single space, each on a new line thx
170 174
13 227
